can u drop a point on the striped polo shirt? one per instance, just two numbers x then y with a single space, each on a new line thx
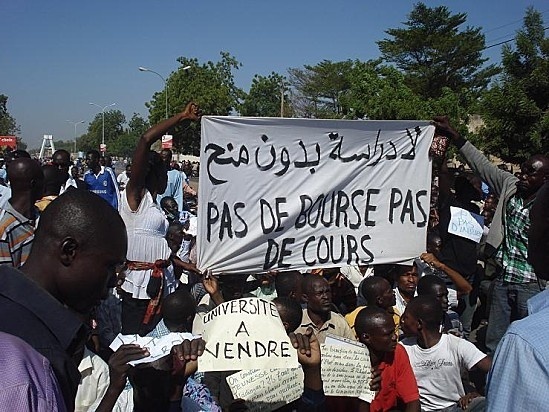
16 236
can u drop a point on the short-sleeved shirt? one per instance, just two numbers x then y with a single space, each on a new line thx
335 325
174 188
32 314
16 236
94 383
398 382
351 319
438 369
103 184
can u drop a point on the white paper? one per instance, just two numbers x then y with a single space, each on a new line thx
346 370
466 224
158 347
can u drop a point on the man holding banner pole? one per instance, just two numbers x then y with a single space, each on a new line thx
508 236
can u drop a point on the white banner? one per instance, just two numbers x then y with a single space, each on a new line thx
302 193
245 334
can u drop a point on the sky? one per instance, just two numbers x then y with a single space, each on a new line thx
57 56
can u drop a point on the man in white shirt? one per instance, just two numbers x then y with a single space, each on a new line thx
438 359
124 177
62 159
406 278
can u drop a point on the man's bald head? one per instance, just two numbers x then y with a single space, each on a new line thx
372 288
79 245
290 312
179 310
53 179
427 309
61 156
310 281
26 176
317 294
82 215
370 319
289 284
62 160
533 174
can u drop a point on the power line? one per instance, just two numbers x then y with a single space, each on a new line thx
506 41
510 24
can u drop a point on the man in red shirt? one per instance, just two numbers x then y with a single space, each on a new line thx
376 329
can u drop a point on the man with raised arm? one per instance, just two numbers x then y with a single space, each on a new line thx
508 235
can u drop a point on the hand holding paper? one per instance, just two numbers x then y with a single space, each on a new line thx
119 363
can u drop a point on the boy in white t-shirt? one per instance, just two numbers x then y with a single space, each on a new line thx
438 359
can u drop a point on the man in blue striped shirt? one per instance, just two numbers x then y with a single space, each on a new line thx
101 180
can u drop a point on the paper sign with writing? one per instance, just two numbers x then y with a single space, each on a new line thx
301 193
267 390
466 224
245 334
346 371
158 347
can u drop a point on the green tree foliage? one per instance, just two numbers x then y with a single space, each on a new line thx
137 125
318 89
515 109
264 97
8 125
379 92
210 84
114 127
433 53
370 90
125 144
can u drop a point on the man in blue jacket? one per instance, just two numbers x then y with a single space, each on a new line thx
101 180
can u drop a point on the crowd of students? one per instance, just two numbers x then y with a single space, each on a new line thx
84 259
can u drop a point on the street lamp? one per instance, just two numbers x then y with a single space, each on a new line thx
75 124
282 98
144 69
103 114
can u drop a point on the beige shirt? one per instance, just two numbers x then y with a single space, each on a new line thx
335 325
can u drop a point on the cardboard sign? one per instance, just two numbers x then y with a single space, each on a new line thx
346 369
267 390
245 334
466 224
280 194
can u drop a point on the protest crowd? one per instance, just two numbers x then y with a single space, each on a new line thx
105 308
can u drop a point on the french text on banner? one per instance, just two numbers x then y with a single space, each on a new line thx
281 194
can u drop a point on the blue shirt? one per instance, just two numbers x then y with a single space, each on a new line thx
174 188
519 378
103 184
